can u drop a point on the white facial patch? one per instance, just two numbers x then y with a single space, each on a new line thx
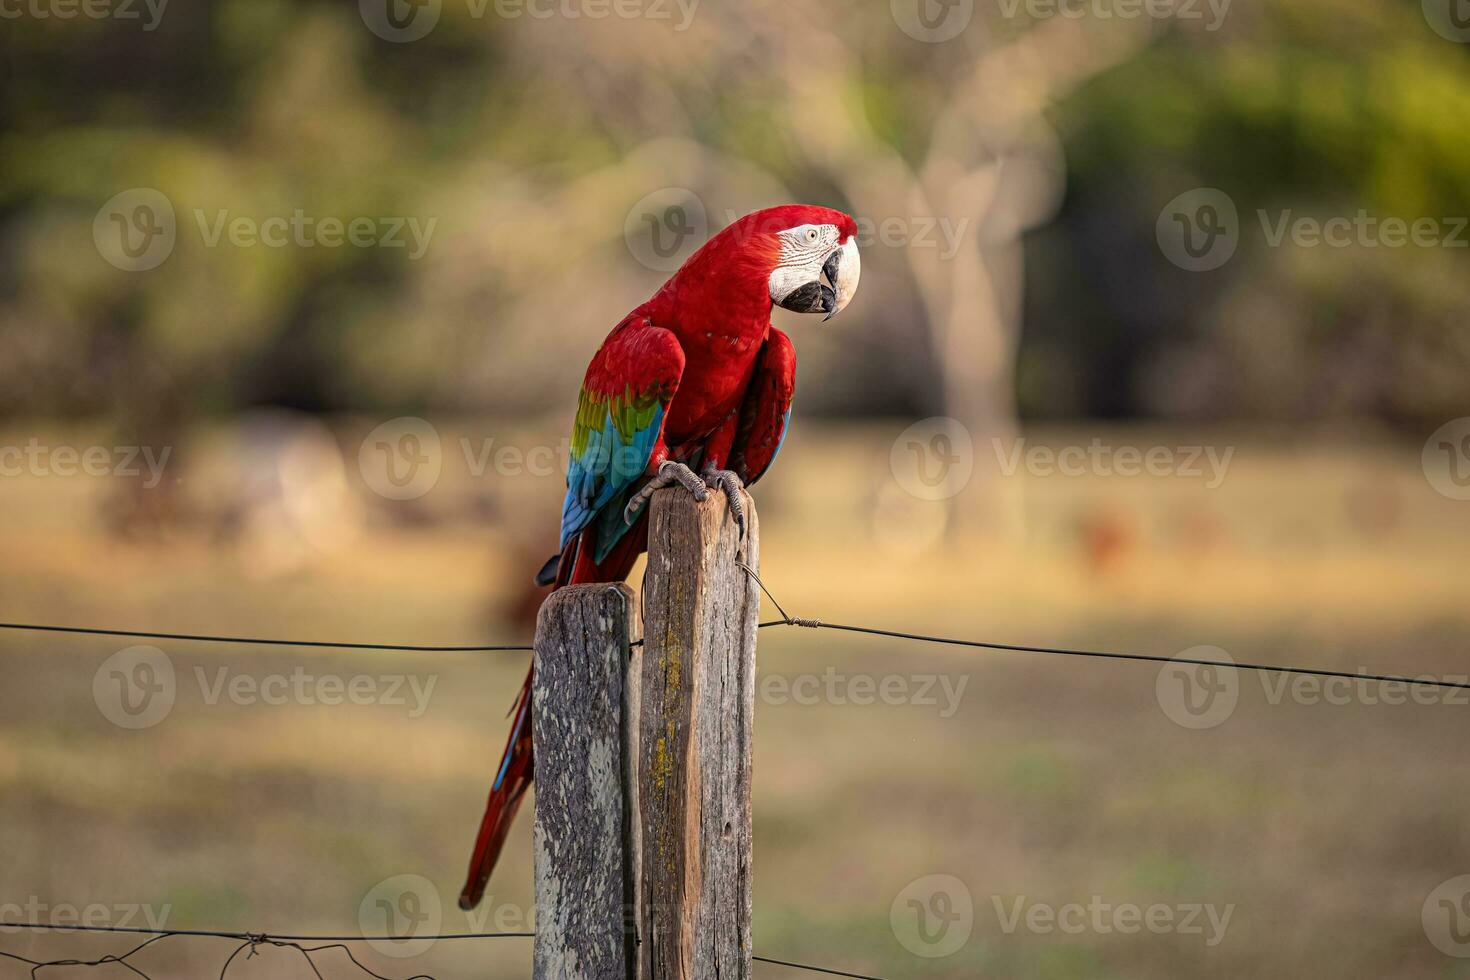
803 250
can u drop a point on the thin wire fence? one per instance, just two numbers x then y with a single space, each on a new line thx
259 641
250 944
785 620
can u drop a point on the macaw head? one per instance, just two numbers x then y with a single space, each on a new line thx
816 264
799 257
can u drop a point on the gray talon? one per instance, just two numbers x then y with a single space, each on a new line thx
685 477
669 473
728 482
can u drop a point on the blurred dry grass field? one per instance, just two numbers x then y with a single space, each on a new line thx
1056 780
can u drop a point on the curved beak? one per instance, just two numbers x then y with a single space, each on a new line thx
833 290
842 270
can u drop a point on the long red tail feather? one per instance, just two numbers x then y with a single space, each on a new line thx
515 773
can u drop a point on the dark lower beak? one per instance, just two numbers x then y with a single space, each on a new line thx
829 268
813 297
829 273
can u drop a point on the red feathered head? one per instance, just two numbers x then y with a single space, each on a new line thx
798 256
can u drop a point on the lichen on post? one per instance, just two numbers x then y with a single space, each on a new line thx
584 712
697 713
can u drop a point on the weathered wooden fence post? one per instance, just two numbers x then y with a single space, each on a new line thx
584 713
643 760
697 707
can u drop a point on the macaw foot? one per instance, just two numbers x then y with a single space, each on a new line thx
731 485
669 473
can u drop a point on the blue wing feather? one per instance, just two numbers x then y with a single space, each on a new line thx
620 419
606 469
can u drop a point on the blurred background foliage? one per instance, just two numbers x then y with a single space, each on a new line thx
529 140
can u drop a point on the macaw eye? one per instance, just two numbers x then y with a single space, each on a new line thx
811 234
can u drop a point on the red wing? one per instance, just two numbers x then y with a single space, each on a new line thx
620 419
767 410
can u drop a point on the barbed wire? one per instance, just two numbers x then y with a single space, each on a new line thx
250 942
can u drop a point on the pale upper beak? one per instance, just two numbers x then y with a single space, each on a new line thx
842 270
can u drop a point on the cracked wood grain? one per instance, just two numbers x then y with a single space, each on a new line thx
584 713
697 710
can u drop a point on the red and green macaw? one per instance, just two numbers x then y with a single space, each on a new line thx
693 388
